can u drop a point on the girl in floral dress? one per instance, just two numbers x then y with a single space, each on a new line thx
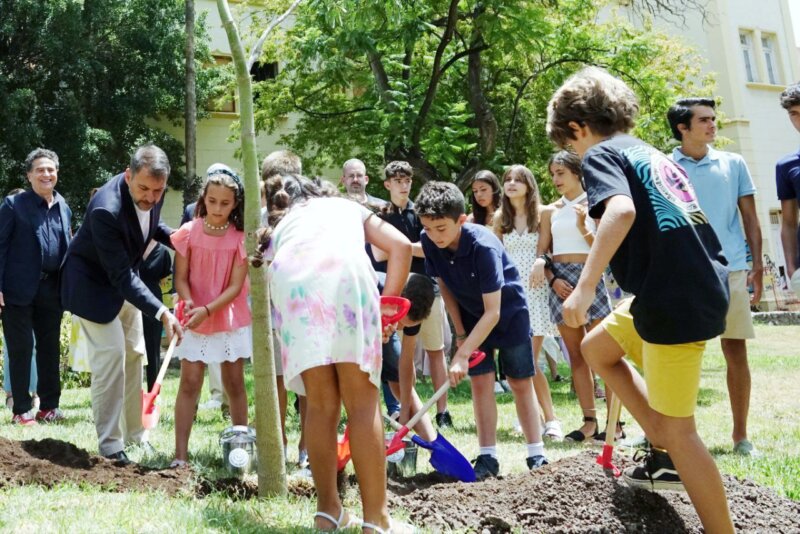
328 319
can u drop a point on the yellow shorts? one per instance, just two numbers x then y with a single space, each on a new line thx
671 372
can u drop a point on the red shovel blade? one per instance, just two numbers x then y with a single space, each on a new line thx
343 450
150 411
397 442
604 459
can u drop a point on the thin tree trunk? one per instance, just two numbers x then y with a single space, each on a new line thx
191 188
271 466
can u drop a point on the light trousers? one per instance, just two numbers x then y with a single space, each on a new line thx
116 353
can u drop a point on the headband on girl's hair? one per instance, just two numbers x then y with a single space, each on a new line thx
230 173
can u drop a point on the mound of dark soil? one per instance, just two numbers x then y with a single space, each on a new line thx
51 461
576 495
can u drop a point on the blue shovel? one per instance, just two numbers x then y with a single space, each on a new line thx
445 458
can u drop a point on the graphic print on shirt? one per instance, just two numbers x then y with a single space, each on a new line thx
671 194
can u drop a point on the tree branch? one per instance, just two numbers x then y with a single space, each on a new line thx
461 54
447 36
521 91
255 53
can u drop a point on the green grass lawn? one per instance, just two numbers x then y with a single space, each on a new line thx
774 429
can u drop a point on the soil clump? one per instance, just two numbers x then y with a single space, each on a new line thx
576 495
49 462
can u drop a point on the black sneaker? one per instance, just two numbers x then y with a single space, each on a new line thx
656 473
536 461
443 420
486 466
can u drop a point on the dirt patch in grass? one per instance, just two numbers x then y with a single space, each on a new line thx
575 495
49 462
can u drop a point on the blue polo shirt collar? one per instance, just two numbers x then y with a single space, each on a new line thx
711 155
465 246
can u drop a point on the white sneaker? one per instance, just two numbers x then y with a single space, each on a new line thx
212 404
552 430
302 459
498 389
517 426
505 386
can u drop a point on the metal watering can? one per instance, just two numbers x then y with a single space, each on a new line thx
239 449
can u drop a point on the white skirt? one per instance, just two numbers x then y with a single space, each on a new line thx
215 348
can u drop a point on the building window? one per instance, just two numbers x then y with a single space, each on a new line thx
746 40
225 102
262 72
771 59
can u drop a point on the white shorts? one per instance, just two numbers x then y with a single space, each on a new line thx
215 348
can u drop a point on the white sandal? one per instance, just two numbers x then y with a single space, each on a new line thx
353 521
178 464
402 527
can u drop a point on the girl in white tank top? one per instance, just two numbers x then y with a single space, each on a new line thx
566 228
517 226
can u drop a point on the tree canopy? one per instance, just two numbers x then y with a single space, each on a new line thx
82 77
454 86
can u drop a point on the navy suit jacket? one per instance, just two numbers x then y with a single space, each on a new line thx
101 268
21 242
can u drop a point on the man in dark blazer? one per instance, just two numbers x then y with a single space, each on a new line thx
100 285
34 235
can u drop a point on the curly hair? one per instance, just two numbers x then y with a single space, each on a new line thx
284 192
439 200
40 153
505 222
593 98
479 212
790 97
420 292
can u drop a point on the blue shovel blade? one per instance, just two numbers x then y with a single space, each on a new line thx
446 459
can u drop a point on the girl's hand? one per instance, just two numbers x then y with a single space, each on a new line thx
580 217
387 332
562 288
196 316
537 277
188 305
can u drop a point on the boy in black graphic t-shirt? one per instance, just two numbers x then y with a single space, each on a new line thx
662 250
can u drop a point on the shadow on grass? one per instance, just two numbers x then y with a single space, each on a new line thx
220 515
709 396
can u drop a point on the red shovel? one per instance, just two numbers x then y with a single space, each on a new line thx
604 458
150 411
343 445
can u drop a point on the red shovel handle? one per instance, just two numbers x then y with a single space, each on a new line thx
403 306
180 307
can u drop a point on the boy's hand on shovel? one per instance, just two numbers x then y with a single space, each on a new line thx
458 368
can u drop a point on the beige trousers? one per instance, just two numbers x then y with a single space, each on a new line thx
116 353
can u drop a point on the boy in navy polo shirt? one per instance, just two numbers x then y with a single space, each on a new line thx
662 249
787 177
483 294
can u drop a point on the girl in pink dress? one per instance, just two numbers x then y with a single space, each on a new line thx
327 316
211 278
